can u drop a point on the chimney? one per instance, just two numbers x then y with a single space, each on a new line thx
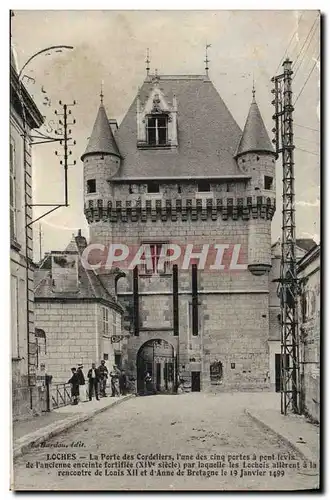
65 271
113 125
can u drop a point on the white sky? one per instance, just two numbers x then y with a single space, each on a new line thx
111 46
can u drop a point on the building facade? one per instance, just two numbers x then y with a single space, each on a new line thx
80 318
24 117
309 320
303 245
180 178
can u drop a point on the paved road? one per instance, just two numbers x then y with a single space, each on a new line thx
215 427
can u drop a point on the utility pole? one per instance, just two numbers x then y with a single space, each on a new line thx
290 367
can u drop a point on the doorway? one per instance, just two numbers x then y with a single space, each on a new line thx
278 382
195 381
157 358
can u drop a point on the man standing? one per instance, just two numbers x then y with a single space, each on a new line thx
123 383
103 370
74 381
93 380
82 387
114 375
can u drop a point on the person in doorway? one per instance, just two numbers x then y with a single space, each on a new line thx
93 381
123 383
74 381
103 371
148 383
82 386
114 375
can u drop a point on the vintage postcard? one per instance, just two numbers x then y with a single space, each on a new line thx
165 250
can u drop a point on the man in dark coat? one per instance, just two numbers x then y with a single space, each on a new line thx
82 388
74 381
103 371
123 383
93 381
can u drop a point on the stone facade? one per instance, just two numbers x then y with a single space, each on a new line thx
309 316
230 203
25 399
302 247
75 334
80 318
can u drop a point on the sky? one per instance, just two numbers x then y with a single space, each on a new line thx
110 46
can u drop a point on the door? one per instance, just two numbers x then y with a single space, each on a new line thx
195 381
158 377
278 371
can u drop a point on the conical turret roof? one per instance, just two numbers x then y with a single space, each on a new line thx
102 140
255 136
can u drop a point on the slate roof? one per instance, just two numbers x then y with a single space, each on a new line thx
208 135
255 137
101 140
306 243
90 284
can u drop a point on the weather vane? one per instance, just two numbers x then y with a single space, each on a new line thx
207 46
147 61
101 94
253 90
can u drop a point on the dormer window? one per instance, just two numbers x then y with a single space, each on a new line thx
157 130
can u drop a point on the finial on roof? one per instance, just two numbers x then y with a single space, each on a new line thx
253 91
147 63
101 94
207 46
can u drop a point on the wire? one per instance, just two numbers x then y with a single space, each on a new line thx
302 59
306 151
309 75
308 140
286 50
302 48
308 128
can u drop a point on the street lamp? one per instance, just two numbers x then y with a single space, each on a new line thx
57 48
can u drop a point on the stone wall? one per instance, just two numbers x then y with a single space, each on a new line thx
233 303
75 334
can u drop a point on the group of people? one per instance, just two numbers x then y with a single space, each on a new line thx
97 382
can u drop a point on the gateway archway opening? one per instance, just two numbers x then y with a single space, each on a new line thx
156 368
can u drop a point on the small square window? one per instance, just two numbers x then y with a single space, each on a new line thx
105 356
268 182
232 366
203 186
91 186
153 187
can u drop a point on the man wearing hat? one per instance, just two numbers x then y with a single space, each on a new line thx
82 387
74 381
103 371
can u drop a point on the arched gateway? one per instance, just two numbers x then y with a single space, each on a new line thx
157 358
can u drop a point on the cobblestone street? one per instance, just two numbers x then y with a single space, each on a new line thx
187 424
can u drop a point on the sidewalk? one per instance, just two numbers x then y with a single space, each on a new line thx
43 427
294 430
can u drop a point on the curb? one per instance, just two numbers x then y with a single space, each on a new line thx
261 423
34 438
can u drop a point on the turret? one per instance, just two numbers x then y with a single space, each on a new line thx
256 157
101 159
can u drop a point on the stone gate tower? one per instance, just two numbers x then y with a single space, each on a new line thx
179 173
